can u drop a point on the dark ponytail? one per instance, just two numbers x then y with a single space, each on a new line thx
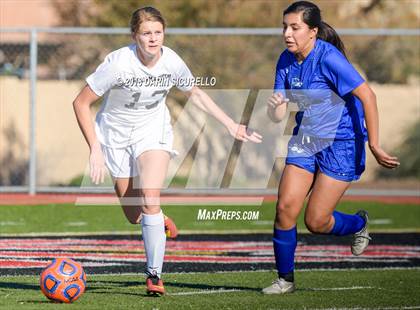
327 33
311 16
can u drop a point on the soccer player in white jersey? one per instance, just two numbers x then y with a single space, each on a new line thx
132 134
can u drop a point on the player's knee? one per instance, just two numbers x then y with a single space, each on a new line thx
286 213
316 225
285 205
151 197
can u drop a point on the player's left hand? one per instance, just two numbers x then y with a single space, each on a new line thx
383 158
243 133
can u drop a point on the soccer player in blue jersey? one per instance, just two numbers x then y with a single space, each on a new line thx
313 72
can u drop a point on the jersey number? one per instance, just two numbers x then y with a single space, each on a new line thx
136 96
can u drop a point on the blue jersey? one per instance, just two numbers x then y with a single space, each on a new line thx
318 85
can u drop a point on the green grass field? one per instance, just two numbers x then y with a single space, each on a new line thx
340 289
317 289
71 218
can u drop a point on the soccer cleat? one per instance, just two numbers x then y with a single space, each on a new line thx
154 286
170 228
280 286
361 238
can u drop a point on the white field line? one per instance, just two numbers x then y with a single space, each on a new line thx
242 271
11 223
343 288
261 222
176 201
380 221
75 224
205 292
185 232
381 308
239 290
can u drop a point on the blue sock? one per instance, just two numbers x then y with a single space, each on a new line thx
346 224
284 242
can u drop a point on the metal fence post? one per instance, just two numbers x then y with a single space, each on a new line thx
31 177
32 109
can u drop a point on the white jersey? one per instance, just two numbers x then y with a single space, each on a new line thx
134 95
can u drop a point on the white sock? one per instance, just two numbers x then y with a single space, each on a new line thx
154 237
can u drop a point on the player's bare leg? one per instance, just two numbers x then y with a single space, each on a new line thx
294 186
128 191
129 194
293 189
325 195
153 166
321 217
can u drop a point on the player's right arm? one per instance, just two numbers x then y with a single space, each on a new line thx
277 103
277 107
81 106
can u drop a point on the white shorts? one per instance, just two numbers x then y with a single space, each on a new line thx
122 162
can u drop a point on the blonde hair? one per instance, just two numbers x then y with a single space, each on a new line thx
145 14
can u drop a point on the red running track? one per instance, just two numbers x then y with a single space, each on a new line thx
41 199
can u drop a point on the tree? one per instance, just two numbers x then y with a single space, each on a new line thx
248 62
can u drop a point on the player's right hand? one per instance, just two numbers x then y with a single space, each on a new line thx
97 164
276 99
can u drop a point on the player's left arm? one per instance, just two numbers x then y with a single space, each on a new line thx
368 99
205 103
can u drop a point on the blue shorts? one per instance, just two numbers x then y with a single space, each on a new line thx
342 160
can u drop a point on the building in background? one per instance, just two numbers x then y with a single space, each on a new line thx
14 46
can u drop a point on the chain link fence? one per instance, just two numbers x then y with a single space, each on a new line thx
42 149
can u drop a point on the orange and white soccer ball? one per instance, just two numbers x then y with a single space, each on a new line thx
63 280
